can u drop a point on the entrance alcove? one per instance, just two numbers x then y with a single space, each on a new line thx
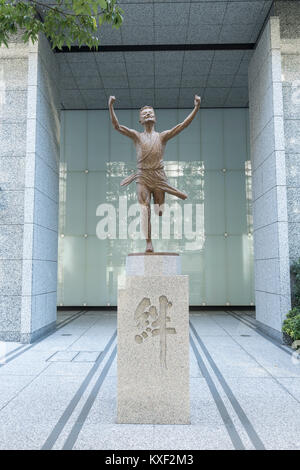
164 67
231 160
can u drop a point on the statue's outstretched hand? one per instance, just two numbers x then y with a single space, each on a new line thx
111 100
197 101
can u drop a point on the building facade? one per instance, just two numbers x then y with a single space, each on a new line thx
243 58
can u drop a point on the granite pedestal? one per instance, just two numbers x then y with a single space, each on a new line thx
153 341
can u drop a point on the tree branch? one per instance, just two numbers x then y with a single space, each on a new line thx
58 10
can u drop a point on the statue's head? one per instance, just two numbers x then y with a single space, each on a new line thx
147 114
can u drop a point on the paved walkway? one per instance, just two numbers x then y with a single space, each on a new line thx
60 393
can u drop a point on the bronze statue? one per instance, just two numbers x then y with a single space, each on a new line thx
150 176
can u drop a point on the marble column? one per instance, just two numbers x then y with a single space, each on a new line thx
153 342
29 155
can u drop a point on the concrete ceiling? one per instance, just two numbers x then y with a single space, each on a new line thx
167 79
188 22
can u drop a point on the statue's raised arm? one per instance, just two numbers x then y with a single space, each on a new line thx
169 134
122 129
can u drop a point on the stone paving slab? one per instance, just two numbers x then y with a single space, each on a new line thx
87 356
115 436
275 415
19 369
268 355
231 359
234 327
11 385
292 384
80 369
63 356
244 391
44 399
202 437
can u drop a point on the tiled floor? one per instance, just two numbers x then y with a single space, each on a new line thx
60 393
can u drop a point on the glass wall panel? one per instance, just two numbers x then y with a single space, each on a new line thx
215 267
96 271
235 203
240 260
75 142
97 188
98 140
214 192
235 143
213 227
211 138
72 270
75 218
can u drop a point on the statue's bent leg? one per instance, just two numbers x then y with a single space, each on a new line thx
159 201
144 198
175 192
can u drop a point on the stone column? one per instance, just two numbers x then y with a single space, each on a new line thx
270 220
29 154
288 13
153 341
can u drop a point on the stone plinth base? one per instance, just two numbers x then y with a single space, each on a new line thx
153 342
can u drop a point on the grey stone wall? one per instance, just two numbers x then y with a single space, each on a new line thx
29 153
271 253
289 17
41 194
13 123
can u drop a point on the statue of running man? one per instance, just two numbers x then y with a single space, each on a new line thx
150 175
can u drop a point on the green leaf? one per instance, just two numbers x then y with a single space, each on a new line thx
103 4
94 22
95 7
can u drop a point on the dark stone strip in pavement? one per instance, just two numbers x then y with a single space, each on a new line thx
261 333
50 441
253 436
5 356
231 429
276 379
74 433
69 319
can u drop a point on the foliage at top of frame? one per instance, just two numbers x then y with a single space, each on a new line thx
64 22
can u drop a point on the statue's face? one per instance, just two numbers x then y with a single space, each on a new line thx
147 115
